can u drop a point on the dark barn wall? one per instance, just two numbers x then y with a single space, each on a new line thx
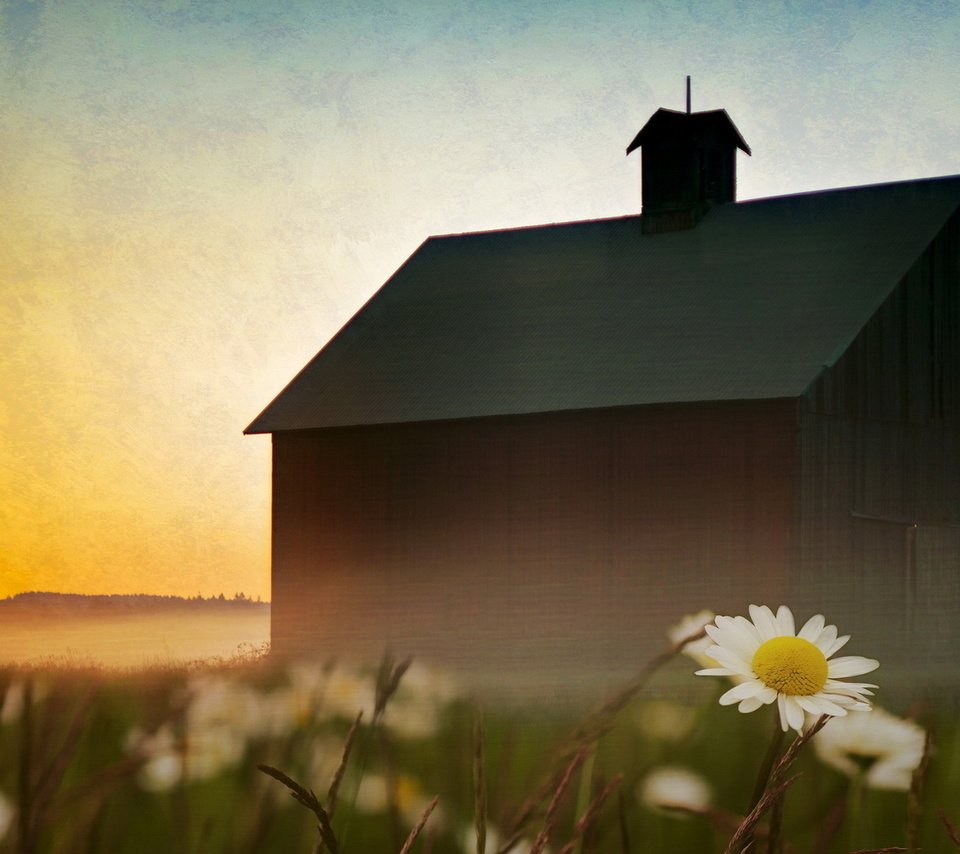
535 546
880 478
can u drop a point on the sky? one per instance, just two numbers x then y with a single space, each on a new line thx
195 196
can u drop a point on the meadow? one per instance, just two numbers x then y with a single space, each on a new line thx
129 640
246 755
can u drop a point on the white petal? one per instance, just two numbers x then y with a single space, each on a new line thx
720 633
828 634
749 629
751 688
782 704
750 704
716 671
812 628
846 701
767 695
858 687
785 621
837 644
819 705
736 638
728 658
764 620
794 713
715 633
851 665
884 775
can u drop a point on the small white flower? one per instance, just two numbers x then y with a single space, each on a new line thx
161 773
347 691
885 748
778 663
373 796
672 787
162 768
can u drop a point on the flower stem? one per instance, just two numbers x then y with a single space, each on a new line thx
855 809
766 767
773 753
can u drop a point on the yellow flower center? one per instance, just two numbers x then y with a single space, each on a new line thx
791 666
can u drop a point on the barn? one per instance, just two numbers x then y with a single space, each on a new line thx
534 449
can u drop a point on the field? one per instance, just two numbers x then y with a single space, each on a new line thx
226 757
129 640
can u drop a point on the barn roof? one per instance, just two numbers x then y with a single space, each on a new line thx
670 125
751 304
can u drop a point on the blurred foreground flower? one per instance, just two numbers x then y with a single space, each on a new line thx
414 710
201 752
11 710
163 765
779 663
674 787
7 813
690 627
373 796
884 748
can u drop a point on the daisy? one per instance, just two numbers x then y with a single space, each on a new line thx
884 748
687 636
779 663
673 787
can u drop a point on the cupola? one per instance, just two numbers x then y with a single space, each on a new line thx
688 165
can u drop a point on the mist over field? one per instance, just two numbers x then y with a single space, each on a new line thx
127 631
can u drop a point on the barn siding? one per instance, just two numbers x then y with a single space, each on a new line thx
879 539
532 545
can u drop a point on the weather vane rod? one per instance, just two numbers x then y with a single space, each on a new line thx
688 93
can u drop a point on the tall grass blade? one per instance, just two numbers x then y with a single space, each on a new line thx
591 728
540 843
342 767
742 839
585 822
915 796
479 784
388 680
951 829
308 799
415 832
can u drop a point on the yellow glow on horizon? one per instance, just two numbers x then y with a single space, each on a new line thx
151 307
125 469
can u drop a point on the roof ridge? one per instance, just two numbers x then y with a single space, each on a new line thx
878 185
624 217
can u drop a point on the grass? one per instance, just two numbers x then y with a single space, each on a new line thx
229 755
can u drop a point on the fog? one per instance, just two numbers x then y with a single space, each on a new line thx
130 640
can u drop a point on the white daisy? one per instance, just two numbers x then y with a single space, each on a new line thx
672 787
779 663
884 748
687 636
